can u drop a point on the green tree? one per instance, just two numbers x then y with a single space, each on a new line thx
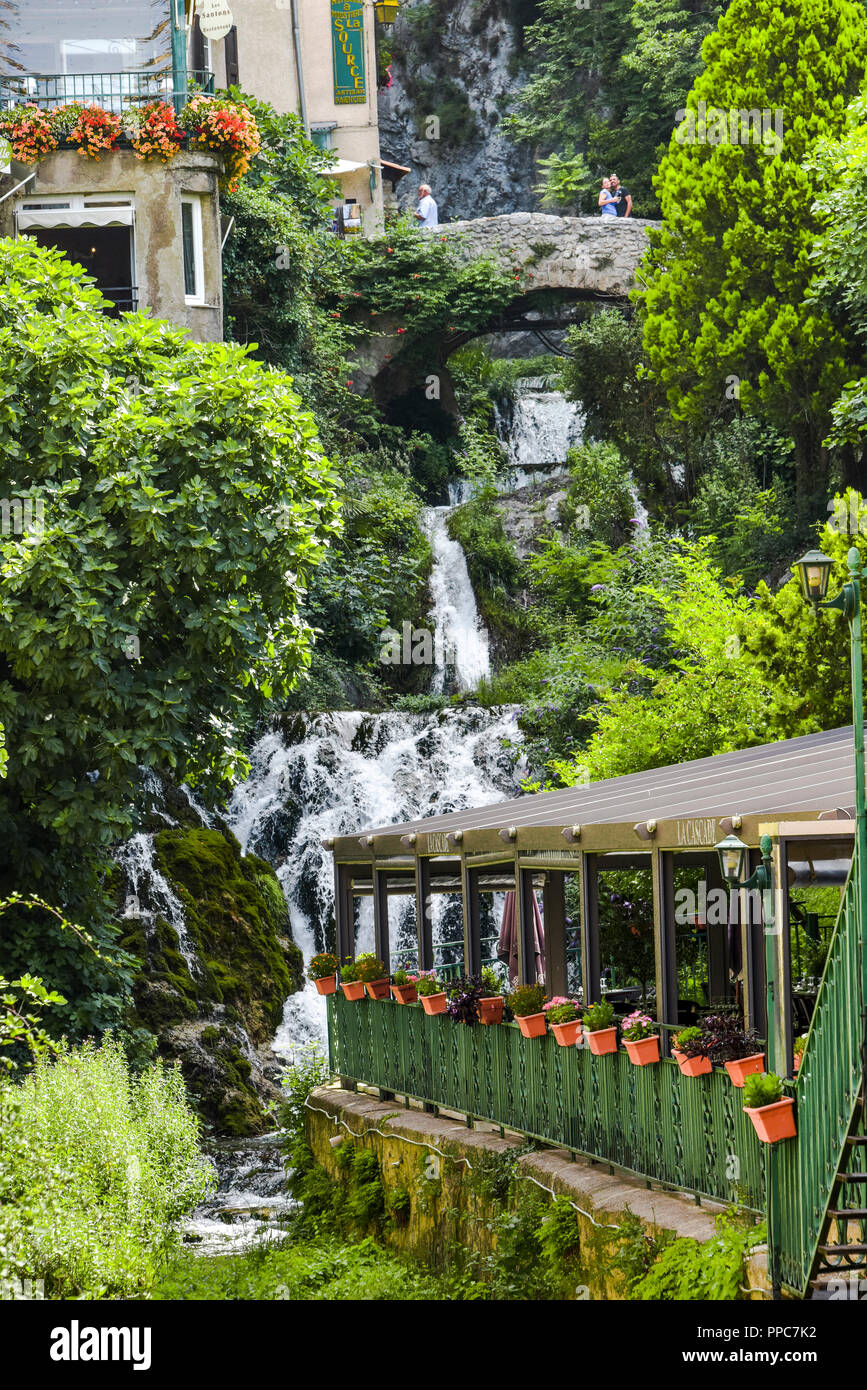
157 611
605 82
726 302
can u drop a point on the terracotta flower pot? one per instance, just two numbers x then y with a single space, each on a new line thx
694 1066
643 1051
326 986
378 989
797 1061
567 1034
774 1122
434 1003
405 994
491 1010
602 1041
532 1025
744 1067
353 990
676 1054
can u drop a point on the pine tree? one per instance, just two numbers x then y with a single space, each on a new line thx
727 312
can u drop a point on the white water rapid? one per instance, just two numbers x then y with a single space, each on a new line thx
335 774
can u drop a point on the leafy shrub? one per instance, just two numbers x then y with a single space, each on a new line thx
691 1042
726 1040
96 1169
687 1270
526 1000
761 1089
349 971
597 1016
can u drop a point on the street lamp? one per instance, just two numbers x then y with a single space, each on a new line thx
386 11
813 571
732 860
848 602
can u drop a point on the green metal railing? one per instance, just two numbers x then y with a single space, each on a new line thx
827 1089
114 91
686 1132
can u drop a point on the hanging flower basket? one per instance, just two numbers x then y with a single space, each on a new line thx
602 1041
643 1051
491 1010
567 1034
743 1067
532 1025
774 1122
354 990
378 989
405 994
434 1003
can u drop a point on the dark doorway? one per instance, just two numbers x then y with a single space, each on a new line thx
103 252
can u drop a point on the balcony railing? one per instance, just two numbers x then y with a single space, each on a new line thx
113 91
123 299
685 1132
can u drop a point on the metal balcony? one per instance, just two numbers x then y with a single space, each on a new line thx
113 91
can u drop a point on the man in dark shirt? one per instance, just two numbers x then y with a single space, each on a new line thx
623 196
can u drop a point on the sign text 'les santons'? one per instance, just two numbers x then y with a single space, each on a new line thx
347 40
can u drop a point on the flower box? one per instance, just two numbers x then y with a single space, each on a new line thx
354 989
532 1025
774 1122
405 994
434 1003
602 1041
694 1066
328 985
378 989
643 1051
491 1010
743 1067
567 1034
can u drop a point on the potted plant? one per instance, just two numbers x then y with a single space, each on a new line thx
729 1045
526 1003
689 1051
491 1001
431 992
322 970
599 1028
641 1042
798 1050
352 986
564 1020
772 1113
464 996
373 974
403 987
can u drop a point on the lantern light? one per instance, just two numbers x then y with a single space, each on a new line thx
814 571
732 857
386 11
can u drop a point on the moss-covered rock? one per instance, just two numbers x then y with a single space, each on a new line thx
215 1001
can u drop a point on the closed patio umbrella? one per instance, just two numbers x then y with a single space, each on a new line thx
507 946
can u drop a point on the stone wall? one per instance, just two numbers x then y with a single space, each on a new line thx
446 1181
598 255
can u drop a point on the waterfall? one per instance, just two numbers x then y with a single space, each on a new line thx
460 640
336 774
150 895
539 430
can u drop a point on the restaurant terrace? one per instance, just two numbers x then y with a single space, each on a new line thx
719 857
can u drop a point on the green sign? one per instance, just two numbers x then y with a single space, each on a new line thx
347 41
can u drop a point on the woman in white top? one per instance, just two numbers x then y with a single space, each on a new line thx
607 200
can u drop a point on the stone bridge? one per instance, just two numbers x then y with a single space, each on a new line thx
580 257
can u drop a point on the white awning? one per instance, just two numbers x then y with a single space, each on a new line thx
74 217
339 168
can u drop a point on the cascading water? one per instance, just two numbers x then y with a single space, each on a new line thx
460 648
335 774
150 895
538 431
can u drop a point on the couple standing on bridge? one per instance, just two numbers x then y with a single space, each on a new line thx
614 199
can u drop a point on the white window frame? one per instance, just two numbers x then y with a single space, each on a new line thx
195 202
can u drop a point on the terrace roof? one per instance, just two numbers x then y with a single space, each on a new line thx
800 777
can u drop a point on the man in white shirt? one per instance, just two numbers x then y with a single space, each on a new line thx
426 212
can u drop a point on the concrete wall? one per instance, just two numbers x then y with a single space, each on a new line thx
156 189
266 62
